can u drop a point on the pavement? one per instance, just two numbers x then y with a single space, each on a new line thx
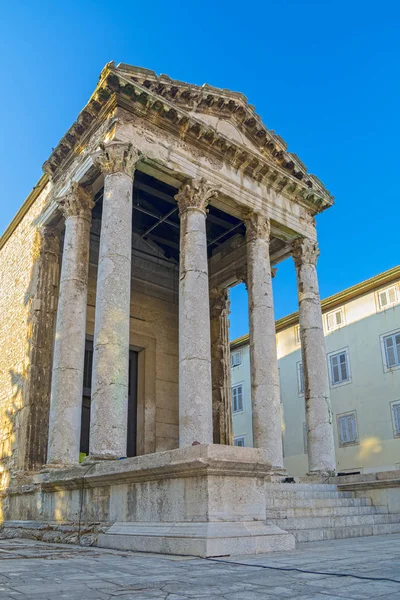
30 569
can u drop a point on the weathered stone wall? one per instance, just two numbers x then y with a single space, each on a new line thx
20 309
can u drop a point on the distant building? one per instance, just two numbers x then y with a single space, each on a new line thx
362 336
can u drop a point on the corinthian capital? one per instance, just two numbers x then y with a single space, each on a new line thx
305 251
195 193
116 157
77 202
219 303
257 227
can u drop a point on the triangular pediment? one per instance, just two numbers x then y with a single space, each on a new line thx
229 113
219 121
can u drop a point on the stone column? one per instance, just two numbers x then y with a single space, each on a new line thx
44 292
195 395
109 403
221 367
69 345
321 448
265 391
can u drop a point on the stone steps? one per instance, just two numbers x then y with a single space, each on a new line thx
308 494
293 502
316 522
315 512
337 533
329 511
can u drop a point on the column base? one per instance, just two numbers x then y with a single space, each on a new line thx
205 500
320 474
92 459
197 539
58 467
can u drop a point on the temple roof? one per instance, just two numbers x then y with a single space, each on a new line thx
222 122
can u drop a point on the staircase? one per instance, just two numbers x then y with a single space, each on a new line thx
315 512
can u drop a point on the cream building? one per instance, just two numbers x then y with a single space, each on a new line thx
362 337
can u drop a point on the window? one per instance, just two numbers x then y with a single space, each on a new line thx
305 438
239 441
300 378
347 427
387 297
396 418
391 346
335 319
236 358
297 335
339 367
237 398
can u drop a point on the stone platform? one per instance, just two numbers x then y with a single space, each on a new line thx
205 500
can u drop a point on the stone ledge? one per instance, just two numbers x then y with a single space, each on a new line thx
183 462
379 480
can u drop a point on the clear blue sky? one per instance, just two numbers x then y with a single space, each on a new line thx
323 74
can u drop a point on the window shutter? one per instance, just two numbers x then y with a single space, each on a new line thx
240 397
343 367
396 417
390 351
342 430
335 369
397 340
352 428
383 299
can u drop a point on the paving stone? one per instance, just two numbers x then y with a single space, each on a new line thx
37 571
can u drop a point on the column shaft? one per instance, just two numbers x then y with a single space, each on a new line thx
321 448
195 396
69 346
267 427
109 406
221 367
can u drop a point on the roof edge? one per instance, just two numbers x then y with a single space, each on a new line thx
331 302
37 190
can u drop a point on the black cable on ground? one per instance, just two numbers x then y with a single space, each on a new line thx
228 562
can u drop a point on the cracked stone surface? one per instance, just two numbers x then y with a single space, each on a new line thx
69 345
35 570
195 396
321 447
108 423
265 390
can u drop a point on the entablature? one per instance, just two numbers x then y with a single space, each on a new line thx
169 106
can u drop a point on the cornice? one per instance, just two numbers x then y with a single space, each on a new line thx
168 104
332 302
37 190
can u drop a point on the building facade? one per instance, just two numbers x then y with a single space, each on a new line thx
362 337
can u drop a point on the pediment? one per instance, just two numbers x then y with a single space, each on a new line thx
220 121
226 128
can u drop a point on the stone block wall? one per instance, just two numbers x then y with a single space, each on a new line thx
22 280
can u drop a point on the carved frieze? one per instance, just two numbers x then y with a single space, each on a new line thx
173 105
